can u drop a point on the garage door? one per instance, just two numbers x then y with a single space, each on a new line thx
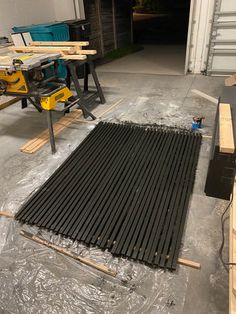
222 50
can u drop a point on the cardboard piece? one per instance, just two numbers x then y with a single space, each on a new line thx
231 81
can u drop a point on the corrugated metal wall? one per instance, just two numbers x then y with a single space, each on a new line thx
222 52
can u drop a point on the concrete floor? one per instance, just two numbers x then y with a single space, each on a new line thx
37 280
153 59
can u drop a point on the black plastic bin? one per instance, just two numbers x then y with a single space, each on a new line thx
79 30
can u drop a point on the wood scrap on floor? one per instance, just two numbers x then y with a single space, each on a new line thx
7 214
206 136
6 101
36 143
205 96
101 114
186 262
85 260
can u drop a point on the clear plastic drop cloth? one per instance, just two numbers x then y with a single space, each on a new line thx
36 279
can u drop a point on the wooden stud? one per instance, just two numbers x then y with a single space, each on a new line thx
189 263
60 43
226 135
7 215
45 49
6 101
85 260
40 140
85 52
205 96
206 136
5 59
100 115
73 57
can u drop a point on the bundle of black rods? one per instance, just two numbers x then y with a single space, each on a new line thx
126 188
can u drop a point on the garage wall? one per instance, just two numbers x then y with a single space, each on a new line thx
25 12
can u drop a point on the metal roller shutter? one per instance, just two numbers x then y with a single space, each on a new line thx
222 50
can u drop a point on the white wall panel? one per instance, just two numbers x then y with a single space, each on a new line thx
25 12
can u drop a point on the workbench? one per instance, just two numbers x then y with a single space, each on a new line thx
23 73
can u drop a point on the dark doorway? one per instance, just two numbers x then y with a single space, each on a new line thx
161 26
161 21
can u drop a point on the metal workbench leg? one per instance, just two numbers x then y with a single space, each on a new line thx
96 81
51 133
24 103
79 92
86 74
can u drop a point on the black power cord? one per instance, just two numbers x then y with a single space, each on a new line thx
223 219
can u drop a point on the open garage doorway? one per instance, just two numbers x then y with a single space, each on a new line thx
160 30
161 27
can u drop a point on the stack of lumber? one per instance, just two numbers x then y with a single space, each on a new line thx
71 50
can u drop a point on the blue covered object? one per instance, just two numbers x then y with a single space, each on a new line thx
56 31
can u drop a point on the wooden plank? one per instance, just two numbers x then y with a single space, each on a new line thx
206 136
59 49
73 57
60 43
6 101
45 49
85 52
100 115
226 136
232 255
205 96
189 263
7 215
36 143
5 59
85 260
